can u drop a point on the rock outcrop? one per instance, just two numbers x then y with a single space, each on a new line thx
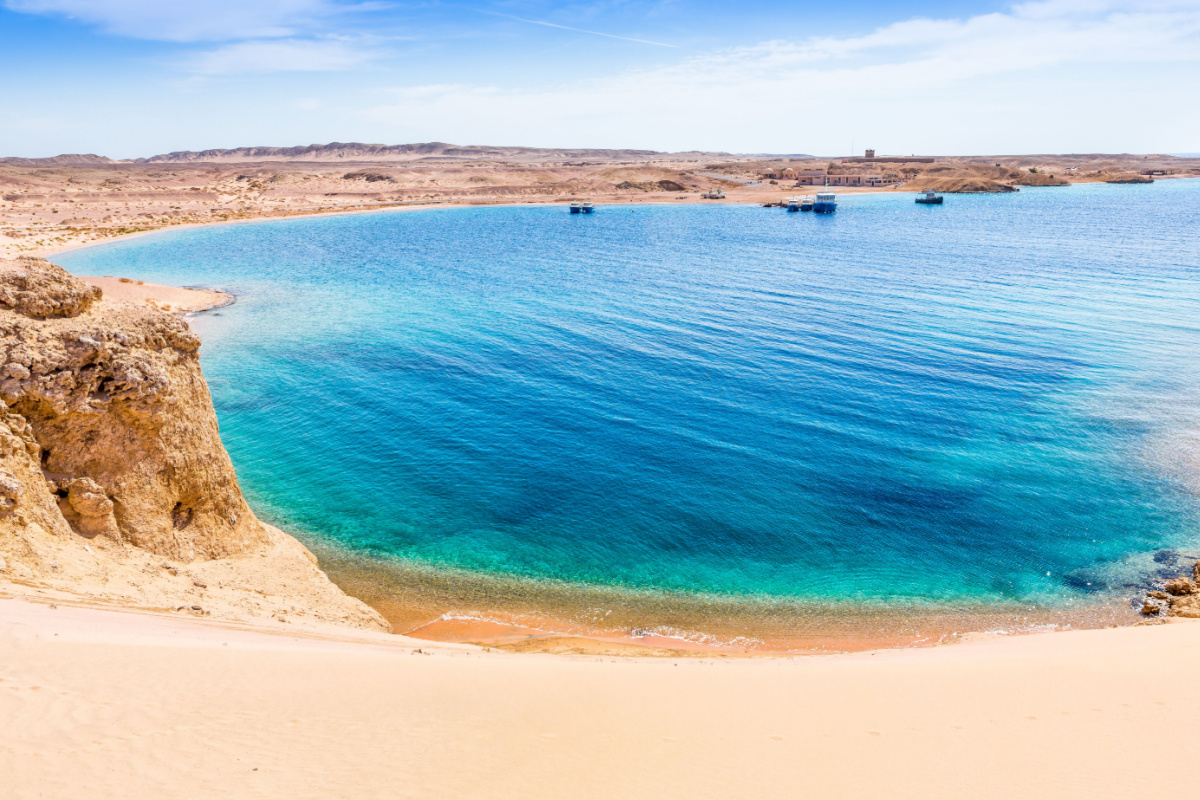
1179 597
111 461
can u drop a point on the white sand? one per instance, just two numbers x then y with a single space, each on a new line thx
106 704
166 298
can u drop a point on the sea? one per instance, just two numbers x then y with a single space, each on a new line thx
715 424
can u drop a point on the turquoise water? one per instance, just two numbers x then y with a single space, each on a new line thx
990 401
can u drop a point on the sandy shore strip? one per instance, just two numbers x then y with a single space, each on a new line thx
174 299
133 705
757 196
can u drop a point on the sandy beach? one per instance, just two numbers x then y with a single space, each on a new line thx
134 705
174 299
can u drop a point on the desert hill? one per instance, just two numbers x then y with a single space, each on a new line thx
355 151
64 160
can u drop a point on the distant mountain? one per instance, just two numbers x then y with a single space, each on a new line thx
343 152
354 151
65 160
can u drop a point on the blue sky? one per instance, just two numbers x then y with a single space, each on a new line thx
127 78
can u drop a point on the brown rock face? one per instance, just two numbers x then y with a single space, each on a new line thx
120 415
1181 597
39 289
87 509
108 436
1180 587
1185 595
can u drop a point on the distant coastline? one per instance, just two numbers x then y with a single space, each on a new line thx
50 206
434 205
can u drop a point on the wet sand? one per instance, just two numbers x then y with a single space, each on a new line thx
454 606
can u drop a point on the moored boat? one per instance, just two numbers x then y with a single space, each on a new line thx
806 204
793 204
588 208
576 207
826 203
930 199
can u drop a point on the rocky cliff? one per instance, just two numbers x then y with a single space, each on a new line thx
114 483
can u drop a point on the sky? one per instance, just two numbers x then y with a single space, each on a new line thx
130 78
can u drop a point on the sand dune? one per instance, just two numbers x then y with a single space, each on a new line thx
120 705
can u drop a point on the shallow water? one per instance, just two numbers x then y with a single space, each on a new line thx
992 404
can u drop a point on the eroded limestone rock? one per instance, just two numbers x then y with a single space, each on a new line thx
1180 597
10 492
36 288
110 460
87 508
1180 586
113 395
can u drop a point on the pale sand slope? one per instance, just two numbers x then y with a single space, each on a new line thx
165 298
104 704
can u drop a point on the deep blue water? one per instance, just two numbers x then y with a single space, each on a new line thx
991 400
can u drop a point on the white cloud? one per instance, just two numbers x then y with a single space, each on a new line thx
280 55
186 21
1030 73
1048 9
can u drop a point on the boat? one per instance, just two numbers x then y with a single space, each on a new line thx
806 204
930 199
576 207
588 208
826 203
793 204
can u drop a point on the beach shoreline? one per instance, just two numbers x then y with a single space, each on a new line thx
736 199
454 606
172 299
49 252
641 624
